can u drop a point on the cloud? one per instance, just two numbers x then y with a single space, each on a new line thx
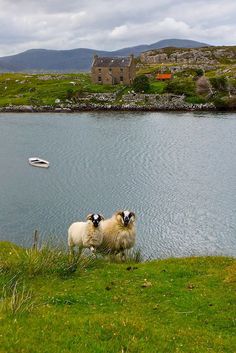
154 31
119 32
57 24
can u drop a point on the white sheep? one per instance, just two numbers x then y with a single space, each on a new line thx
85 234
119 233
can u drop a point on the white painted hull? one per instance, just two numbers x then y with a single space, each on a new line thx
38 162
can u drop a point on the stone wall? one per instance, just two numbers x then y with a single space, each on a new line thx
106 101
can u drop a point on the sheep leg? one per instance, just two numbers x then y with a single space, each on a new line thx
123 255
71 253
79 253
73 256
113 254
93 251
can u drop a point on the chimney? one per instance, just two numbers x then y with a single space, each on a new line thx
94 59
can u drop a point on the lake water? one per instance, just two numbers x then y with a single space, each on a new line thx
177 171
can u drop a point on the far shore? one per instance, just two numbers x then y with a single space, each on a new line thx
91 108
69 93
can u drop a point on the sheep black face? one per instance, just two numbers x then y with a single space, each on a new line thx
127 217
95 218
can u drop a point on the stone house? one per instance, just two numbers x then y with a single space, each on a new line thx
111 71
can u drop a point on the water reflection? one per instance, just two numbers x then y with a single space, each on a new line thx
176 171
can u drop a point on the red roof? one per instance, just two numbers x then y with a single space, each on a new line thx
163 76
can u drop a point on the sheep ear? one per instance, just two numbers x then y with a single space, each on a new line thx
89 217
133 214
102 217
119 212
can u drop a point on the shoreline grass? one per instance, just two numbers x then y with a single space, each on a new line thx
47 92
172 305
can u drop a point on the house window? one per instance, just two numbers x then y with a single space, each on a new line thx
110 69
99 70
99 79
121 69
121 78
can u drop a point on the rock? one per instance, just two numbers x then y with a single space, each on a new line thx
26 108
187 56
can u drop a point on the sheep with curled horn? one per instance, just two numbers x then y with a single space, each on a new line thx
119 233
86 234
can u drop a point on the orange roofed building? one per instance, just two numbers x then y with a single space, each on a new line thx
163 77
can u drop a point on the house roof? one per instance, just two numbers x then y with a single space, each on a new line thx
112 62
163 76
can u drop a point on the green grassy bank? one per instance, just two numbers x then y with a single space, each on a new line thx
174 305
53 90
44 89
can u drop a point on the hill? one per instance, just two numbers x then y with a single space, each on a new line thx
42 60
204 55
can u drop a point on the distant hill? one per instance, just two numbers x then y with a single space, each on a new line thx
43 60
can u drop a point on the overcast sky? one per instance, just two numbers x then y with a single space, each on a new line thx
112 24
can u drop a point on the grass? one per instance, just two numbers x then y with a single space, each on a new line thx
15 297
174 305
48 89
157 87
44 89
61 89
195 100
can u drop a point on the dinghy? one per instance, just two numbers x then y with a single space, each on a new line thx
38 162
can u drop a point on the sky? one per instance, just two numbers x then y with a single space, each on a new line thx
112 24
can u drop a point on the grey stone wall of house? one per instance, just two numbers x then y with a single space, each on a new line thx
112 75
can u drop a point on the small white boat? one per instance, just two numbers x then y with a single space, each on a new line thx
38 162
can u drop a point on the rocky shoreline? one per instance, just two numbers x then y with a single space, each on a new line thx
74 109
110 102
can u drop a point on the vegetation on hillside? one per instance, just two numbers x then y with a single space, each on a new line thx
45 89
141 84
211 78
197 83
93 305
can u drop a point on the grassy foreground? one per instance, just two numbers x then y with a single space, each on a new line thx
175 305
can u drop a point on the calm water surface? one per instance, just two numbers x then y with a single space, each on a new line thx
177 171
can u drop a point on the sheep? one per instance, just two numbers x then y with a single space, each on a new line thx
85 234
119 233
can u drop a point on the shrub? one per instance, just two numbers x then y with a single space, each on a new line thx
69 93
220 103
141 84
232 86
199 72
180 86
232 102
219 83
